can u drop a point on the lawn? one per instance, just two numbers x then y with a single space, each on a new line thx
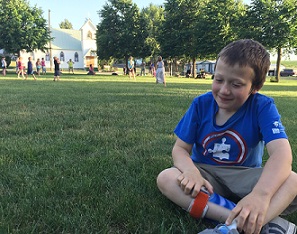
81 155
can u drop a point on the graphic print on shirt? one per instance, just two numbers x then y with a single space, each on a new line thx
221 150
226 147
277 126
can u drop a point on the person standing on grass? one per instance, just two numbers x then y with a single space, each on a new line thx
57 69
30 69
43 67
4 66
142 71
160 72
131 67
21 68
38 66
70 66
219 149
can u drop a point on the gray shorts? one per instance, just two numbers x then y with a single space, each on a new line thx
235 182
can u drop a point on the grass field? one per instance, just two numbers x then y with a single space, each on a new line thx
81 155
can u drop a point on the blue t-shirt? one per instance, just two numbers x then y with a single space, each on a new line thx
240 141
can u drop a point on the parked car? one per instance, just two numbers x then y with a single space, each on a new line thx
272 69
288 72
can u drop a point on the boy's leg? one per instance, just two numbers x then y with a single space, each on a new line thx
168 185
282 199
283 202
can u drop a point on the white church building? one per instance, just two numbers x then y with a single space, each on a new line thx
77 45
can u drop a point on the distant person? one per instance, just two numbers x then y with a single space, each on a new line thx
30 70
4 66
43 67
142 71
160 72
131 67
70 66
153 69
38 67
91 70
57 69
16 65
21 68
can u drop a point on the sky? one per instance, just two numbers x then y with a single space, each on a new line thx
77 11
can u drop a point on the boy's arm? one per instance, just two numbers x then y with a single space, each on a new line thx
190 179
251 211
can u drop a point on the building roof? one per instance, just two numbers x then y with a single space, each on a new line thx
66 39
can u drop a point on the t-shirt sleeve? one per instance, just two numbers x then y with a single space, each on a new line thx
187 127
270 123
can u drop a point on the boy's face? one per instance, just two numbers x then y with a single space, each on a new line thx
231 86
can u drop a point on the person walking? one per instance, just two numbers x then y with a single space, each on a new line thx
30 70
21 68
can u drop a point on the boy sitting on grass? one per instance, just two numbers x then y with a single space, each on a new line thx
220 144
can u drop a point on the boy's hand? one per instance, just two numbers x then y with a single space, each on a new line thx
249 213
191 183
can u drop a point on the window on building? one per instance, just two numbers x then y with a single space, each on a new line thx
76 57
62 57
47 57
90 35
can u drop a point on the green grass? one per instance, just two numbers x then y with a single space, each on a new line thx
82 155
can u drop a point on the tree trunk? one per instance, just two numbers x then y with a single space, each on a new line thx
194 68
278 61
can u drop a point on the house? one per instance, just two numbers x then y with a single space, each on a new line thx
207 66
77 45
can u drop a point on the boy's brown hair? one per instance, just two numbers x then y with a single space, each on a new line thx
247 52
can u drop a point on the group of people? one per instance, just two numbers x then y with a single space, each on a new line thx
158 71
20 68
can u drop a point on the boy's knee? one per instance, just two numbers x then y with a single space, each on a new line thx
165 178
293 180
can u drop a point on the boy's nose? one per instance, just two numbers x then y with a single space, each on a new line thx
225 89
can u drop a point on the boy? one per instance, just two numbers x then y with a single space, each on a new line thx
219 148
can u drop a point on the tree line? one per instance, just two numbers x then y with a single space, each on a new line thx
184 30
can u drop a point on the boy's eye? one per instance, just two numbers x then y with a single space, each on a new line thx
218 80
237 84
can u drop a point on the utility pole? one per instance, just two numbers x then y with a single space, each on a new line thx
50 43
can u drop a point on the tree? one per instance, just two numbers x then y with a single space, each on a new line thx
199 29
178 30
119 32
66 24
22 27
152 18
217 25
274 24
